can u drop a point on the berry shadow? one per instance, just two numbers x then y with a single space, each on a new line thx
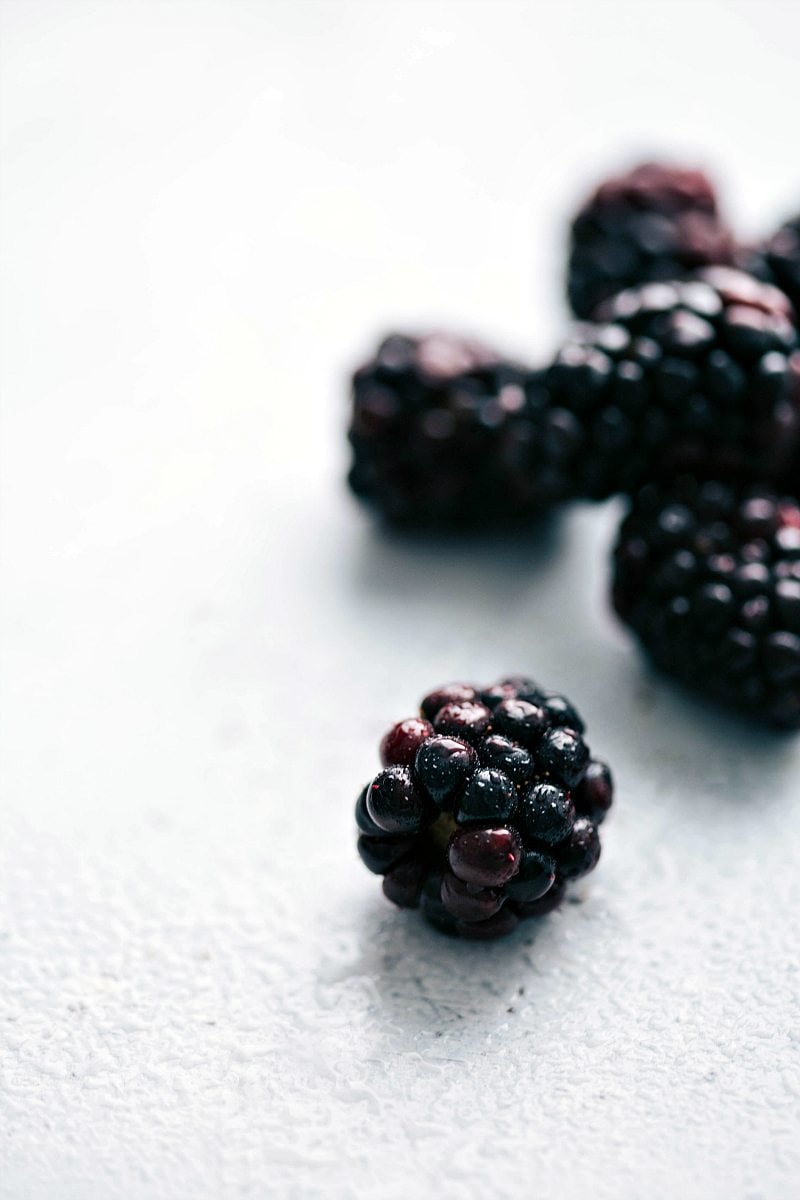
466 603
519 549
419 974
436 607
710 760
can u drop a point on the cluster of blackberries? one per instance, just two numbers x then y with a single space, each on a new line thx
680 391
704 372
689 364
487 807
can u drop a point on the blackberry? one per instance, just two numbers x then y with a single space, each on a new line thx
707 574
652 224
495 813
440 431
699 374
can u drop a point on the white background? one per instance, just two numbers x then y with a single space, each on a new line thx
208 212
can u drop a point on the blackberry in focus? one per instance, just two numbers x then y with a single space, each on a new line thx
652 224
487 807
440 429
707 574
702 374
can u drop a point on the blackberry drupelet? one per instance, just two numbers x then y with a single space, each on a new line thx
652 224
701 374
495 813
707 574
440 429
777 261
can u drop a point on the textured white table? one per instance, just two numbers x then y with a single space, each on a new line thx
207 213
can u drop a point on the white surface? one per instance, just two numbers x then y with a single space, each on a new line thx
207 212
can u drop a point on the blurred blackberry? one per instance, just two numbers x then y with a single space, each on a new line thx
441 430
702 374
777 261
708 576
487 807
652 224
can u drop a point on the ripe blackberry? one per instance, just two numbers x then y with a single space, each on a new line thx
493 815
652 224
777 261
698 374
708 576
440 431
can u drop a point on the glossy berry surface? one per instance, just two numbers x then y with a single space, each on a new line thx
395 803
490 796
400 745
451 693
486 857
469 721
487 805
707 574
595 792
547 814
442 767
700 375
561 712
521 721
536 875
564 755
582 850
655 222
508 757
